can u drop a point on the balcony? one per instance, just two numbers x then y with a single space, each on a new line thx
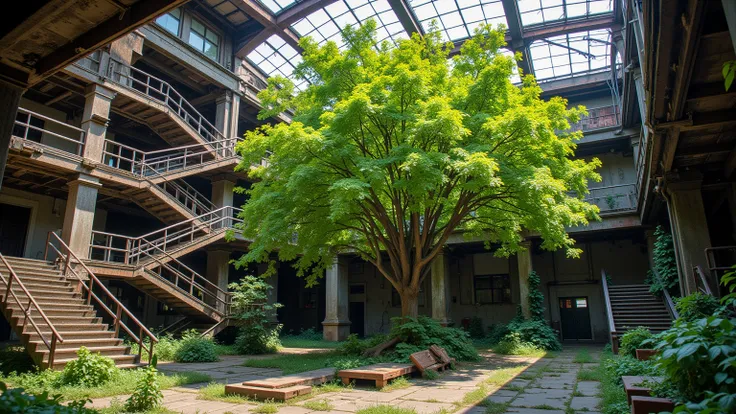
598 118
614 198
32 126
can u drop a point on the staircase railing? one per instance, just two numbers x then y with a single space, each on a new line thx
35 127
69 261
187 196
161 91
609 311
129 250
667 297
701 283
55 336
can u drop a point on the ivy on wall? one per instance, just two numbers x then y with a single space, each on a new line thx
665 264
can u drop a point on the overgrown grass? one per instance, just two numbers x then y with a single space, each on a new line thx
611 394
268 407
298 342
583 357
502 376
292 364
318 405
123 382
396 384
493 407
117 406
505 348
385 409
476 396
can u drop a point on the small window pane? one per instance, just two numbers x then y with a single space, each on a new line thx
170 21
196 40
198 27
213 37
581 302
210 50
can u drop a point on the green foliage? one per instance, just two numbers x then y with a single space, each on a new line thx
714 403
665 263
385 409
250 304
634 339
696 306
699 356
15 359
626 365
729 71
16 400
512 344
536 298
392 150
196 348
417 334
475 329
537 333
496 333
356 346
88 369
319 405
147 394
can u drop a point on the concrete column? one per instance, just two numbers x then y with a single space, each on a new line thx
524 261
690 232
9 98
80 214
218 270
223 113
95 120
336 325
640 94
222 196
234 117
441 289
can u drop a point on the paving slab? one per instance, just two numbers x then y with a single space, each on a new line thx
583 403
436 394
588 388
425 407
537 400
532 411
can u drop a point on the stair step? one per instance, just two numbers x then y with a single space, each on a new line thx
46 280
34 285
72 334
38 262
54 313
40 346
23 267
59 294
121 360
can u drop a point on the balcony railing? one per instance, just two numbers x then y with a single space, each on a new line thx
614 198
39 128
598 118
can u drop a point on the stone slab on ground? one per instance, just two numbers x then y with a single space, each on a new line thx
437 394
584 403
422 407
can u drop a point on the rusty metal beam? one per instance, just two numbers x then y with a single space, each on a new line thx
406 17
257 12
301 10
692 22
248 45
516 33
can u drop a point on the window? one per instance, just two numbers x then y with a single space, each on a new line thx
204 39
492 289
34 129
170 21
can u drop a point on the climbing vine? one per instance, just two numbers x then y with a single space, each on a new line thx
536 298
665 263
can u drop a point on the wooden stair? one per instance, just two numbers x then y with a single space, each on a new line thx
76 321
634 306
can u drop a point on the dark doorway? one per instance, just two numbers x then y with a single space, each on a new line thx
13 229
575 317
356 313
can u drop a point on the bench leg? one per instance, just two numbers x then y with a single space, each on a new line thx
345 381
380 383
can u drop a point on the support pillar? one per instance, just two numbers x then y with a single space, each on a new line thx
336 326
234 117
80 214
218 272
223 113
690 232
524 263
95 119
273 296
9 98
729 9
441 289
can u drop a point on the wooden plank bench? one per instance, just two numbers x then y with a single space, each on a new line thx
284 387
427 361
380 373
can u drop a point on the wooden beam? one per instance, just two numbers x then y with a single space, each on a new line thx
253 9
137 15
249 45
59 97
406 17
691 22
302 9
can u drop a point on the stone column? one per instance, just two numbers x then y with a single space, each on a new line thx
690 232
524 262
80 214
223 116
9 98
234 117
441 288
218 272
95 119
336 325
222 196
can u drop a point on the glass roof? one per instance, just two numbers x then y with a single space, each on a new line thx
570 54
326 24
544 11
276 57
458 19
277 5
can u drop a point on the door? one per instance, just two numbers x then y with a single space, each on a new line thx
575 318
13 229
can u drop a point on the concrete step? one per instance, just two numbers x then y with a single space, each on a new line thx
63 295
35 285
52 314
46 305
20 260
22 269
39 346
120 360
70 353
68 334
75 320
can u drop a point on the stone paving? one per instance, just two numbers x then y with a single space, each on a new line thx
541 386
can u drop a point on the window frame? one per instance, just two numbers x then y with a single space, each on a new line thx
180 20
491 277
207 30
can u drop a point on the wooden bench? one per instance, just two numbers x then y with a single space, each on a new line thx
441 354
633 386
427 361
380 373
284 387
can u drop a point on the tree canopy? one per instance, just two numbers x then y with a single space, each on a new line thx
393 150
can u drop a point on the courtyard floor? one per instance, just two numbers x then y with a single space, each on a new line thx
498 384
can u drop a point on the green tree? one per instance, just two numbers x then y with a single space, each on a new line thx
394 149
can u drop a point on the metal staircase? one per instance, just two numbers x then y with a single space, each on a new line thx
52 308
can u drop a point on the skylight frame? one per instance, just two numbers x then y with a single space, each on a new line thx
277 6
541 12
457 19
554 58
276 57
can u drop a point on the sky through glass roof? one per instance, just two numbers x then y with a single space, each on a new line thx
545 11
277 5
458 19
571 54
276 57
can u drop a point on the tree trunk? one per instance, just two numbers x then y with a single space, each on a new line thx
409 304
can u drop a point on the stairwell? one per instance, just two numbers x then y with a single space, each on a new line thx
72 316
634 306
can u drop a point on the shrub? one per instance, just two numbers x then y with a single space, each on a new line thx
196 348
537 333
696 306
147 394
16 400
634 339
356 346
475 328
15 359
496 333
420 333
250 305
309 334
88 369
258 339
626 365
512 344
664 263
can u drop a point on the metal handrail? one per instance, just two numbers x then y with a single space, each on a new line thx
582 124
607 301
118 323
160 90
55 335
667 297
26 126
631 196
699 276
